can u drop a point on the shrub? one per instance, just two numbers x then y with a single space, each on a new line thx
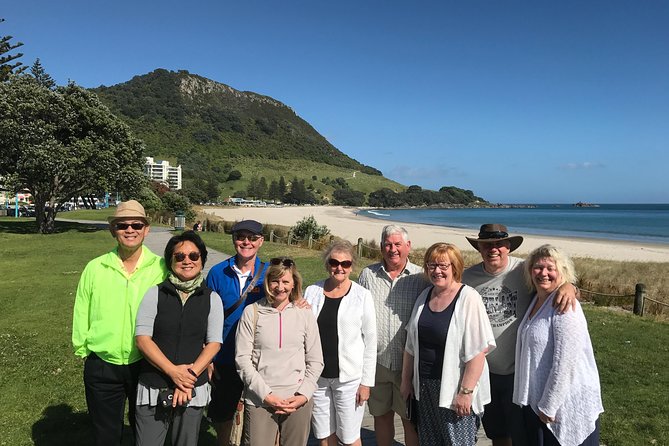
309 226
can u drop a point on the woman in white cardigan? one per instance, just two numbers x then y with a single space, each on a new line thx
444 368
347 325
556 380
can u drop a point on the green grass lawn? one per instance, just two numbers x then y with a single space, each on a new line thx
41 380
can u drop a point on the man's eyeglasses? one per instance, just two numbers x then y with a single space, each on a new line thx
285 261
441 266
124 226
193 256
344 263
251 238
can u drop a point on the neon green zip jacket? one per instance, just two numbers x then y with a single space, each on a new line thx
106 306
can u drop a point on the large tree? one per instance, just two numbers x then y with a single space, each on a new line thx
64 143
8 63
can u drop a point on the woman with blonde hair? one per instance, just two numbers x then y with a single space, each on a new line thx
347 325
279 360
556 381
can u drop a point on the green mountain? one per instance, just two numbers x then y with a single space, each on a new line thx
216 133
179 114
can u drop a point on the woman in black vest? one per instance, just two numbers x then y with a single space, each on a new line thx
178 330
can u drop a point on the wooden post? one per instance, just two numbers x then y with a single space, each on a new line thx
359 250
271 236
290 235
311 241
639 295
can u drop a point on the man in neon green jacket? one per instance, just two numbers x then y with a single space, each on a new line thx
103 328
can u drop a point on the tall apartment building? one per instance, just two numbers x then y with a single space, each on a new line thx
163 172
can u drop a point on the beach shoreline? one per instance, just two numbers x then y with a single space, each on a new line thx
347 223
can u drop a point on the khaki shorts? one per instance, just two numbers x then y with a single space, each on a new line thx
385 396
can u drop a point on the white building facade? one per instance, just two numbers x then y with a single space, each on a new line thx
163 172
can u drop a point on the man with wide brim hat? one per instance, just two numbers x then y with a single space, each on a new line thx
500 281
495 233
108 297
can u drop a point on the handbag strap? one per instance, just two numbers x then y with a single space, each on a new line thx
242 298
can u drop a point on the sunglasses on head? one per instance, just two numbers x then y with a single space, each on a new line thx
344 263
193 256
285 261
251 238
124 226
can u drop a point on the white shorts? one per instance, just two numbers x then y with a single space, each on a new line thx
335 410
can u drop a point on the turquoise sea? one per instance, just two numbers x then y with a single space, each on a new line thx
630 222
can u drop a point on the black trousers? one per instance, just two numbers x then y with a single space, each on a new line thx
539 435
107 387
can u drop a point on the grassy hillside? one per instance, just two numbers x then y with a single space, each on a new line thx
306 170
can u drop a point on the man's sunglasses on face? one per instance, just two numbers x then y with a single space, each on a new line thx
124 226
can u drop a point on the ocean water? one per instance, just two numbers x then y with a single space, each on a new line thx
630 222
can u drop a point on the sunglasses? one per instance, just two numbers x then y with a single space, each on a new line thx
493 234
285 261
251 238
124 226
344 263
193 256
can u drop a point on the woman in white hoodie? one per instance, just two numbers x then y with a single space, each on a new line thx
347 326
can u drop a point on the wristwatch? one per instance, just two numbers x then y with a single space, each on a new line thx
465 391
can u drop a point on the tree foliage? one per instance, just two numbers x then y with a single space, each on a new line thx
8 62
417 196
63 143
299 194
41 76
348 197
308 226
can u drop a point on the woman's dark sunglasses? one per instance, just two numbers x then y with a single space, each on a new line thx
344 263
124 226
285 261
193 256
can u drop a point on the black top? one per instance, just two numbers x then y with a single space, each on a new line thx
179 330
432 332
327 327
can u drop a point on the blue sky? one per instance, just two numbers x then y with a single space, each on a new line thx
521 102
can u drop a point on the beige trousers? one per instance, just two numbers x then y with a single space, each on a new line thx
261 427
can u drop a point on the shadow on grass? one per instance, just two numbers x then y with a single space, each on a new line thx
60 426
29 226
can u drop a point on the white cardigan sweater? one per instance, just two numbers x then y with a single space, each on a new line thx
469 334
556 371
356 329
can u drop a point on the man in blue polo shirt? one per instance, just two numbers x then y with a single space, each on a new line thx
239 282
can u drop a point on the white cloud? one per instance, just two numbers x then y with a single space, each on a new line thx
583 165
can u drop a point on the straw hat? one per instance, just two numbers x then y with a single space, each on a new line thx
129 209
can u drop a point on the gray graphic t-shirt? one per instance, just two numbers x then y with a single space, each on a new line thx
506 299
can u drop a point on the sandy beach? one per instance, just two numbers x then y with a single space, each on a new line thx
345 223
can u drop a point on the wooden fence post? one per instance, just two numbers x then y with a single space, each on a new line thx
271 236
359 249
290 235
639 295
311 241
